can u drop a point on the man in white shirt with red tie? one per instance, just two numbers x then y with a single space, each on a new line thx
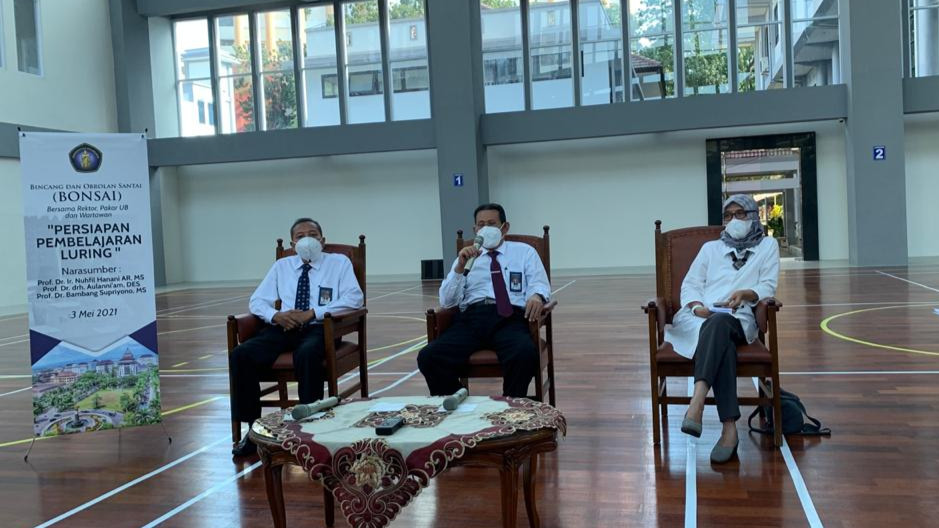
308 285
498 288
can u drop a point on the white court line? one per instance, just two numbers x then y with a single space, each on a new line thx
909 281
15 376
565 286
201 496
14 392
691 474
811 515
132 483
395 293
917 303
215 488
168 311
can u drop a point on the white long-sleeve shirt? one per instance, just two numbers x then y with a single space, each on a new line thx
333 287
712 278
522 271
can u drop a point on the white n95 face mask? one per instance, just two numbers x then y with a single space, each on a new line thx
308 248
492 236
737 228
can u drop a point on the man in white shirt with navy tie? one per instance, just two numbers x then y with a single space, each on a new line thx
498 288
309 285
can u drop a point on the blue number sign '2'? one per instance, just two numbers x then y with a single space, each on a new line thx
457 179
880 153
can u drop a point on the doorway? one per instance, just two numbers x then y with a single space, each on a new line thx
778 171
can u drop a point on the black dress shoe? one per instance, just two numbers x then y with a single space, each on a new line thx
245 448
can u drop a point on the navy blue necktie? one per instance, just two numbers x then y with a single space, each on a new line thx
303 289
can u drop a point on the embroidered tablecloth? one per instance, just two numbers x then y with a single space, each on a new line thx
373 477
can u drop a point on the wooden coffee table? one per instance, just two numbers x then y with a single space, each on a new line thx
507 454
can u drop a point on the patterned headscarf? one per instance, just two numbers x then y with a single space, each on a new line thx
756 228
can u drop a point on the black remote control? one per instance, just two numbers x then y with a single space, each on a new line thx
389 426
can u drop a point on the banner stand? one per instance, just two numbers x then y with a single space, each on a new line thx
169 440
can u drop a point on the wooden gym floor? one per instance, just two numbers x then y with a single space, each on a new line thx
871 376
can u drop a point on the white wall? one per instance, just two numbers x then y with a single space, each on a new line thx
601 196
76 89
75 92
922 185
231 214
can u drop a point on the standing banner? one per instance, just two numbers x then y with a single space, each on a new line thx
89 278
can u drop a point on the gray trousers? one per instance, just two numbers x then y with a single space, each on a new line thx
715 361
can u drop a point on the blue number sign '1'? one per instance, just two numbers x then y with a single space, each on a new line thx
880 153
457 179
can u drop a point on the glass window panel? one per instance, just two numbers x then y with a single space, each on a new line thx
365 103
760 58
236 104
758 11
503 70
280 100
2 51
652 61
195 108
705 60
704 14
26 32
407 48
601 47
549 38
651 17
816 53
275 43
191 39
924 41
813 8
233 44
320 79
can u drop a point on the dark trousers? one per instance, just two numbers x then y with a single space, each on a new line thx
261 351
444 360
715 361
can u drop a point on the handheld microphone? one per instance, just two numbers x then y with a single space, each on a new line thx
453 401
304 410
477 243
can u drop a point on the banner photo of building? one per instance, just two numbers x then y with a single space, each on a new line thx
89 279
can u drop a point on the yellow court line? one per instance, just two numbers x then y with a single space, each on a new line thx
399 317
827 329
398 344
409 349
180 364
165 413
190 329
207 356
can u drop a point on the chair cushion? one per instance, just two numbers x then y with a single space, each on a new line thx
754 353
285 360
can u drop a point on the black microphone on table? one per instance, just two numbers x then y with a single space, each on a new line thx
477 243
305 410
453 401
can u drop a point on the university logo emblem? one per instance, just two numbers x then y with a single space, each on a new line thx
85 158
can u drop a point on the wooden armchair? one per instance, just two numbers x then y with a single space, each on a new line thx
485 363
674 252
341 356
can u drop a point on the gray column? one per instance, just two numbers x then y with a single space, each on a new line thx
156 226
133 87
456 104
872 69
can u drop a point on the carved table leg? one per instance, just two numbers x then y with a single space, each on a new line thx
275 491
509 474
329 505
529 467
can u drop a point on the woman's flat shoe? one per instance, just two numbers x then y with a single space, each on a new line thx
721 454
691 427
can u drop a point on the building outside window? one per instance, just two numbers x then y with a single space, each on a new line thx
234 77
28 36
365 101
504 76
317 47
652 49
407 58
275 66
924 38
761 52
193 76
816 54
705 43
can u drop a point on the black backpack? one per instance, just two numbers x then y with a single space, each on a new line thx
793 417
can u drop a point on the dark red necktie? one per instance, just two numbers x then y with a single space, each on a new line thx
503 306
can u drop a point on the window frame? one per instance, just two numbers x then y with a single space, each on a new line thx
37 17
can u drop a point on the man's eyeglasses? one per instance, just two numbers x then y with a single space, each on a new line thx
739 214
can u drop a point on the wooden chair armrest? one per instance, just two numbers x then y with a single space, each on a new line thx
243 327
344 323
762 310
542 320
656 307
438 320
